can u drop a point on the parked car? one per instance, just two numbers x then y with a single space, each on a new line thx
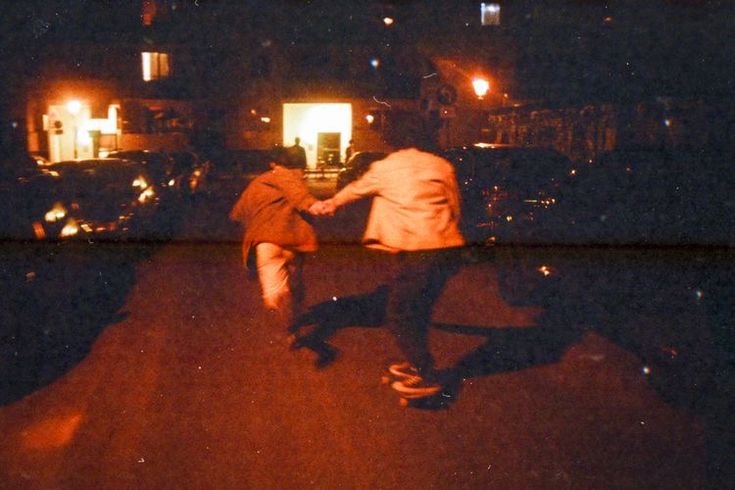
40 160
161 167
192 169
648 196
505 189
232 170
21 201
104 198
357 165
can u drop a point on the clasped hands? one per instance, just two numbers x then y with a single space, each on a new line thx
323 208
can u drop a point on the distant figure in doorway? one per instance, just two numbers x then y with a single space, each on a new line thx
350 150
274 210
297 154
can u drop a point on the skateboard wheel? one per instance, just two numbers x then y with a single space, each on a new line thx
384 380
403 402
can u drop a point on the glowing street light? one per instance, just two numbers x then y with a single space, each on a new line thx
481 87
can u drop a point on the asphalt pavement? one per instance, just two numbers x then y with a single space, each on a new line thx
183 383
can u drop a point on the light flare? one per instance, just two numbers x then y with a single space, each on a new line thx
70 229
56 213
52 433
147 195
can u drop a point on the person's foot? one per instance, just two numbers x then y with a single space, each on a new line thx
416 386
403 370
326 355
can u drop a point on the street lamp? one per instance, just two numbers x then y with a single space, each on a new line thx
481 87
74 106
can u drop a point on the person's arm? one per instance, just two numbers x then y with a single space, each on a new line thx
453 196
367 185
295 191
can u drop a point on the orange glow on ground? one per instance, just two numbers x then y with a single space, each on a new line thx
52 433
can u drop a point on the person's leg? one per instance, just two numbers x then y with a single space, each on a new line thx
406 311
418 282
296 284
274 265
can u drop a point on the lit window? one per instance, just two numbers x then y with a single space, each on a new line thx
155 66
490 14
149 12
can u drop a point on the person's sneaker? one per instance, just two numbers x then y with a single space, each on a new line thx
403 370
416 387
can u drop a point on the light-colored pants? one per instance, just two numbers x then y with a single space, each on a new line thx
280 276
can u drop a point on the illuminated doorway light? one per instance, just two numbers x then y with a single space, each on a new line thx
308 120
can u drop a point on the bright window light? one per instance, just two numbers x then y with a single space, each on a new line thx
155 65
490 14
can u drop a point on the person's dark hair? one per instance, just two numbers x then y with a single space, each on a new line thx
285 158
405 129
280 156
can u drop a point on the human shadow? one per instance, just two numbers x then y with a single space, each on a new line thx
506 348
57 298
321 321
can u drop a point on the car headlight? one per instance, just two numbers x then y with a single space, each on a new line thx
546 270
56 213
70 228
148 194
140 183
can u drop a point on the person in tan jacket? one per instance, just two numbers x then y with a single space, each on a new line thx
415 217
274 210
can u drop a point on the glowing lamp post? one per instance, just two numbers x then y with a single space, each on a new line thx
481 87
74 106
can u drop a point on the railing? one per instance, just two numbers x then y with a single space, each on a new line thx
324 172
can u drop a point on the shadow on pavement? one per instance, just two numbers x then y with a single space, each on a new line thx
674 316
57 298
670 307
323 320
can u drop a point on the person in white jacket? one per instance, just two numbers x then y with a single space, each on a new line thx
415 217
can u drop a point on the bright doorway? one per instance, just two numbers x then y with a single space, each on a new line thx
324 129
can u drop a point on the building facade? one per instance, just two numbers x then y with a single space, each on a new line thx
167 74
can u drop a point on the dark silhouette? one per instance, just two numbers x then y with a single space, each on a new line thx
297 154
350 150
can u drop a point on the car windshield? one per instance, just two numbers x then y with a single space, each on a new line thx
97 177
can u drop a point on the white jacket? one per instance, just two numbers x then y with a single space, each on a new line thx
415 202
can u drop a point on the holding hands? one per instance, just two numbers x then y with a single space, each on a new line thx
323 208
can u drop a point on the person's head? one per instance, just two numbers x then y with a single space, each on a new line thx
297 141
281 156
405 129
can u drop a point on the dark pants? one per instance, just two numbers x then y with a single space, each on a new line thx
418 279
